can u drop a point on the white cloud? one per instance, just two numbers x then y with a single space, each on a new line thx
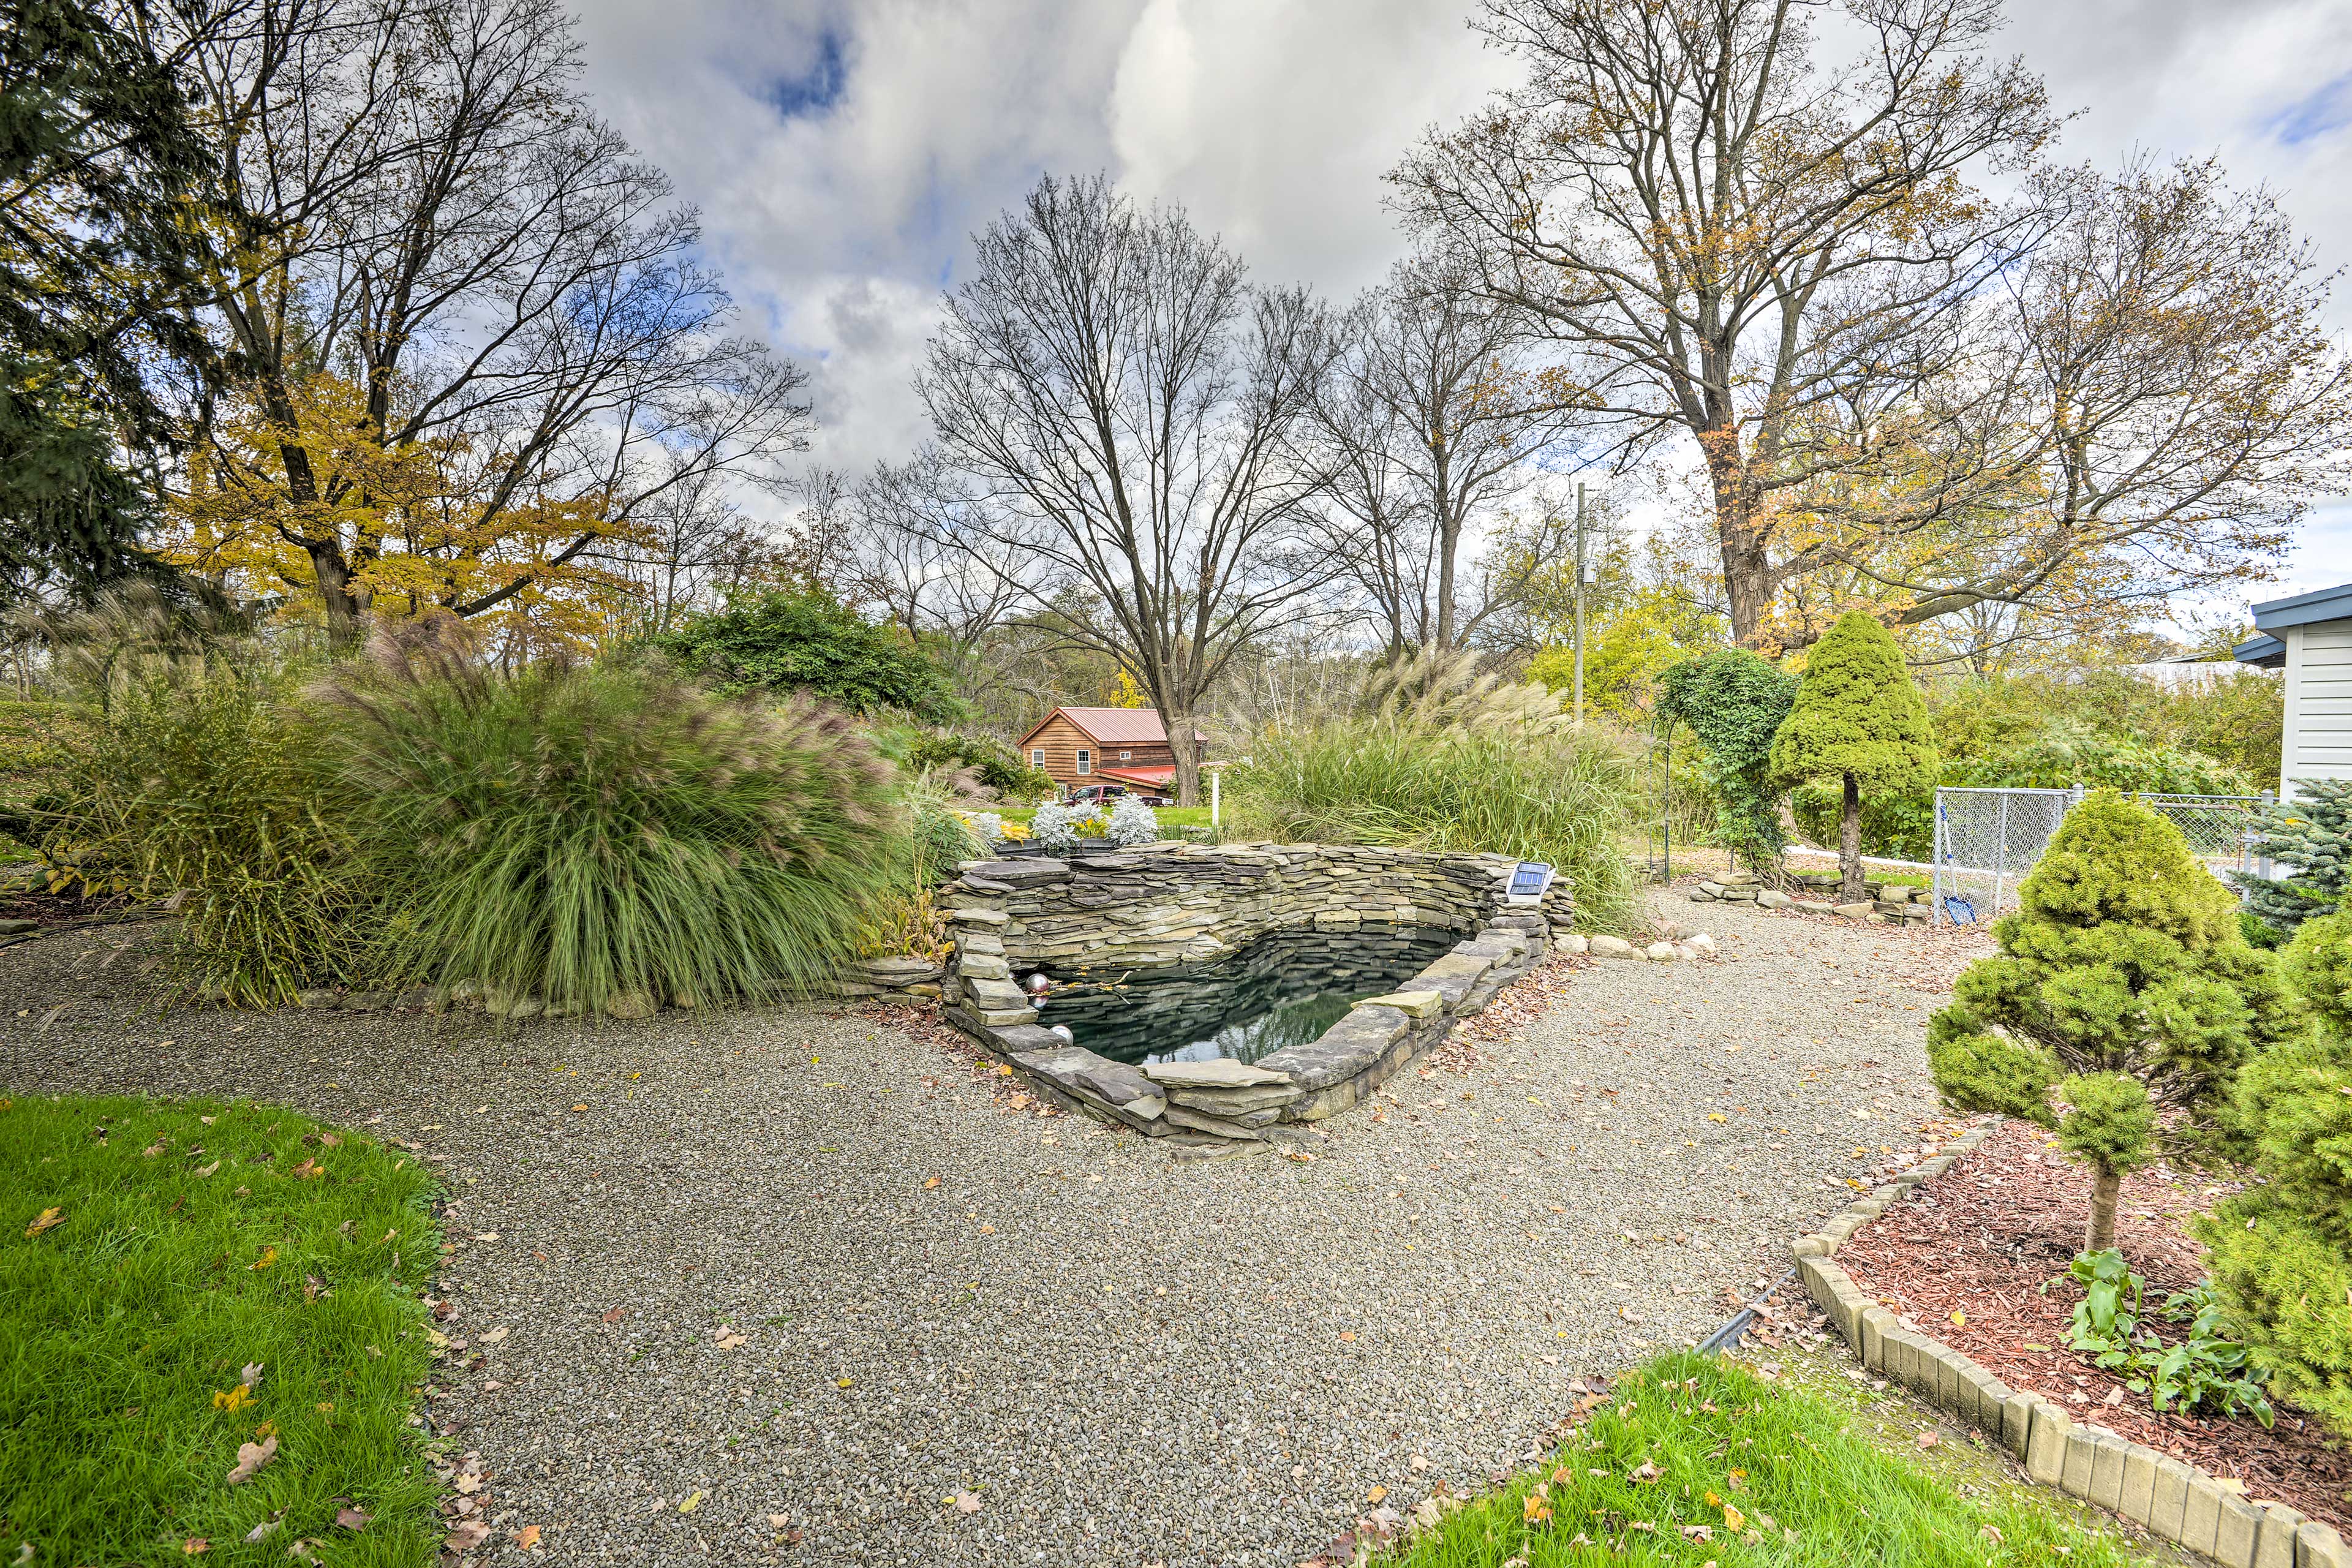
843 152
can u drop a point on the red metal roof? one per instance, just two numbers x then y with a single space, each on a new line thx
1114 726
1131 773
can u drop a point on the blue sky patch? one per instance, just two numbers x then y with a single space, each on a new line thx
2327 109
818 88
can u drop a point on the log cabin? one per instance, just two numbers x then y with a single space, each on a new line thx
1127 746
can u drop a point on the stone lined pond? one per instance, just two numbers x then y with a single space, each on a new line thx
1285 988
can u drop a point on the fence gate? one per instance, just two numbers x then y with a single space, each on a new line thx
1988 839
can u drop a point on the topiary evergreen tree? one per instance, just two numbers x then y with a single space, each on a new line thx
2124 985
1734 702
1857 724
2281 1252
2313 834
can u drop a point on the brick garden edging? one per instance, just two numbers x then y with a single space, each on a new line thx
2170 1499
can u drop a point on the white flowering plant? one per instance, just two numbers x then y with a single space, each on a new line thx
1055 826
1131 823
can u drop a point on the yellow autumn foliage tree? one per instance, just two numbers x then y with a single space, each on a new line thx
408 522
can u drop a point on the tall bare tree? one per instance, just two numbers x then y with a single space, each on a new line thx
1429 421
1125 405
940 573
418 203
1727 240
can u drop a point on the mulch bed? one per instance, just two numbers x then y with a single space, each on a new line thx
1982 1238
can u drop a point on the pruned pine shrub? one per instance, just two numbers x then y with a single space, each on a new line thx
1443 763
188 778
2123 991
2310 837
1857 724
2281 1252
585 833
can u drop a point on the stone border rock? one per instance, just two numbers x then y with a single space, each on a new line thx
2170 1499
1167 904
1889 903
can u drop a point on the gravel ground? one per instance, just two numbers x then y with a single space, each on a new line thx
1120 1359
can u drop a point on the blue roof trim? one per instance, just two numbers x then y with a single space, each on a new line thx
2267 651
2323 604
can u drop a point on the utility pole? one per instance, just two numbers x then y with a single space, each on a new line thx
1580 605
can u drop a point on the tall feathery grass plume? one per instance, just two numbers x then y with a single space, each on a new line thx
585 833
1439 756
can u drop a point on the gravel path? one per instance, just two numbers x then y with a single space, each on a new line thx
1122 1359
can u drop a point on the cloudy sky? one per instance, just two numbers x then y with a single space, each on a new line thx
844 151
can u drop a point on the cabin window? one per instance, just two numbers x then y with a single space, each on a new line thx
1037 756
1086 760
1126 756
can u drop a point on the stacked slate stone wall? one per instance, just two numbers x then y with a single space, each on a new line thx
1170 904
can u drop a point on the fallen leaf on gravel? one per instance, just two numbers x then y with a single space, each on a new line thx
929 1184
352 1519
465 1534
1929 1440
729 1341
1376 1495
778 1520
495 1335
690 1504
841 1383
579 1107
48 1219
615 1315
1419 1462
988 1230
252 1456
527 1537
965 1502
1349 1334
466 1484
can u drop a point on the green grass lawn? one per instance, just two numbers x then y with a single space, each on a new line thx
1693 1460
183 1242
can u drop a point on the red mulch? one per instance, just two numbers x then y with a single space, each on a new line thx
1982 1238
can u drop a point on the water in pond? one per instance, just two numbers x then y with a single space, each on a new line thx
1286 988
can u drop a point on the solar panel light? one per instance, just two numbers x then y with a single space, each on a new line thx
1529 881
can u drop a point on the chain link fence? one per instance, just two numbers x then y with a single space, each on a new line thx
1988 839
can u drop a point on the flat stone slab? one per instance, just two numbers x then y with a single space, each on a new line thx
1347 1048
1411 1004
979 917
1223 1073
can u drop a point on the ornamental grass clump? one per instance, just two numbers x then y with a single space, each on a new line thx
2281 1252
1445 762
2121 1006
188 778
608 836
1857 724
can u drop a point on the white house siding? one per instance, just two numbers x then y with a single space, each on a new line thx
2319 741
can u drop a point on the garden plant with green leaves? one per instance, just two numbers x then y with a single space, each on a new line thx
1734 702
1857 722
2121 1006
2281 1252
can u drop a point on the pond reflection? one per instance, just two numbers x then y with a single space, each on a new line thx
1285 988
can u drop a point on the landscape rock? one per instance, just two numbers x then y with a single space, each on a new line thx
1771 900
1660 952
1613 947
630 1005
1221 1073
1411 1004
